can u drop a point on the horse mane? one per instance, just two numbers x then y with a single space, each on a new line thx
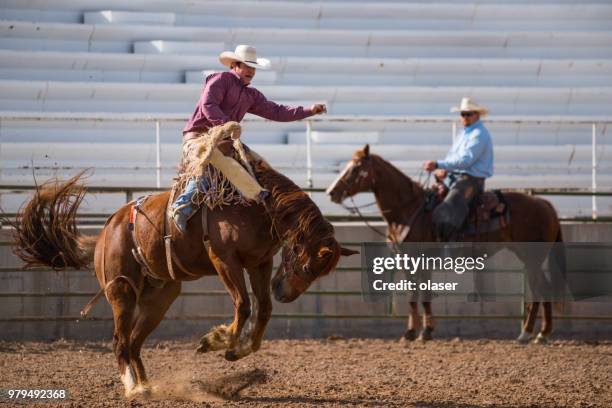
401 180
299 222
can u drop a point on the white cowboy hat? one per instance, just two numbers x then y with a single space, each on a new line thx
245 54
469 105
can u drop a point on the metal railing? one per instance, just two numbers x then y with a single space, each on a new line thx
131 192
593 123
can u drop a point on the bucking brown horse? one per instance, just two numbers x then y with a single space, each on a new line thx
401 202
140 292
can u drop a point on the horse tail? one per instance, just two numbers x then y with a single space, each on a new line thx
45 229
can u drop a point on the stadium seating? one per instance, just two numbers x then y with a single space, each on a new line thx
121 64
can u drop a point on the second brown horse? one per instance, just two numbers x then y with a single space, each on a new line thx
401 202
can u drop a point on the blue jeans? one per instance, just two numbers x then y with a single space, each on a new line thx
185 199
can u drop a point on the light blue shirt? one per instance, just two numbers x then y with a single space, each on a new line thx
472 152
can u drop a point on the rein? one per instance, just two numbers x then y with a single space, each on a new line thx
413 218
295 280
356 210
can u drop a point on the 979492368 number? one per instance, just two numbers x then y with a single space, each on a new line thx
32 394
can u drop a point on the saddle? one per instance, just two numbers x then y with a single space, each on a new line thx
168 229
488 212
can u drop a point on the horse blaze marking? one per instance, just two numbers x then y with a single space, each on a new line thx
342 173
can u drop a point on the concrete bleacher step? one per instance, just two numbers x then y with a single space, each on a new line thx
428 78
275 7
103 61
510 43
137 97
329 71
18 14
178 47
128 17
332 79
63 45
380 16
319 137
92 75
463 40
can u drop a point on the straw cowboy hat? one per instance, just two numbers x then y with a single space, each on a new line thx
469 105
245 54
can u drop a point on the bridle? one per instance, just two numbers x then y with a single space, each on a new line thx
295 280
355 209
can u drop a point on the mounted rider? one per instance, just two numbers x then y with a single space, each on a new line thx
227 97
468 163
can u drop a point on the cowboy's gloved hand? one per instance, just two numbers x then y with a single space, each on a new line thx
318 108
430 165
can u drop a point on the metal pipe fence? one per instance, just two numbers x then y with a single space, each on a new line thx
130 192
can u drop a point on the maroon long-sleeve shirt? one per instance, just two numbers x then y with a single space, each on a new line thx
225 98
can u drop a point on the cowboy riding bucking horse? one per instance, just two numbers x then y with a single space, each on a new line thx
228 97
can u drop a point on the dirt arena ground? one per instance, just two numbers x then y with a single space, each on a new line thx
332 372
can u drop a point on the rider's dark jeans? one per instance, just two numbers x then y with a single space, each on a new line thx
450 215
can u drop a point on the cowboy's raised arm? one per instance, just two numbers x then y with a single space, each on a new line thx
212 96
279 113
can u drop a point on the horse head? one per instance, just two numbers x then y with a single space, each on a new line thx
310 249
302 264
357 177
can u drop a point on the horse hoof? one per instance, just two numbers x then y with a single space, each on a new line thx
523 338
147 392
139 392
541 339
426 334
143 392
410 335
231 355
